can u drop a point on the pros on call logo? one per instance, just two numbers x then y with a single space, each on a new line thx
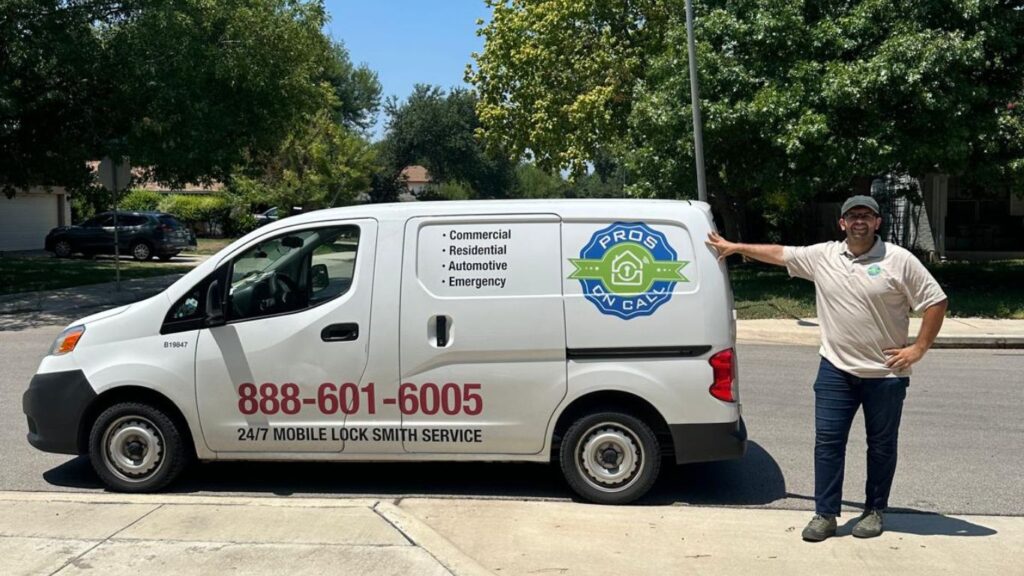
628 270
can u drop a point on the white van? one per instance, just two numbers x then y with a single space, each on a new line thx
598 334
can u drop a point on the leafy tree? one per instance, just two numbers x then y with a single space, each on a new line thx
190 88
438 130
356 88
533 182
555 78
320 164
799 98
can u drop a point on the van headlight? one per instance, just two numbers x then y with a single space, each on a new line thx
67 340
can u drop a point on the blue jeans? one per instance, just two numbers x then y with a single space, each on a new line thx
837 396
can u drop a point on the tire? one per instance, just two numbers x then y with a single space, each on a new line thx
616 435
141 251
135 447
62 248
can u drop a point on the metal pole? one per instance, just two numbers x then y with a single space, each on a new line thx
117 246
698 128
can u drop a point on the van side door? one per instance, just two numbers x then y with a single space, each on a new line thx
482 337
287 367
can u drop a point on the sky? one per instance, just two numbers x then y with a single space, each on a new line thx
408 42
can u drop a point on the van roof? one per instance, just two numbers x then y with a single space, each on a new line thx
573 208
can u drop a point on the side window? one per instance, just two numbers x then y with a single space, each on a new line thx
189 312
292 272
333 266
102 221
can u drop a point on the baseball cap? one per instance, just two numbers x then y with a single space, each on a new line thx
860 200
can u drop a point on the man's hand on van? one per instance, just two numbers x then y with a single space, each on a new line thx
770 253
721 245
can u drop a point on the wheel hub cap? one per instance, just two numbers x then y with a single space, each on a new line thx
610 457
134 448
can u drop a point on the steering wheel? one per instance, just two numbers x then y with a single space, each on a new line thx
285 290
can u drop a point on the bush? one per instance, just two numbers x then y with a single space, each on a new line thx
139 200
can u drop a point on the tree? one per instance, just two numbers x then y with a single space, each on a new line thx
356 88
190 88
555 78
798 98
438 130
321 164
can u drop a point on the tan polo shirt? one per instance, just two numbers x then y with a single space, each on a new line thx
864 302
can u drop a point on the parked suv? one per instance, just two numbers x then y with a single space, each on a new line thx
141 234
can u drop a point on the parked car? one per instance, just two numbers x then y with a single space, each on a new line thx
266 217
140 234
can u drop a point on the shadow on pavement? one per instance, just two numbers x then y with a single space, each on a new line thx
754 479
912 521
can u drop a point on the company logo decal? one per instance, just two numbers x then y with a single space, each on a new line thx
628 270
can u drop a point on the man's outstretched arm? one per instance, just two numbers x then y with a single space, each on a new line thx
770 253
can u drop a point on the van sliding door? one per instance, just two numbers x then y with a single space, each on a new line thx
482 345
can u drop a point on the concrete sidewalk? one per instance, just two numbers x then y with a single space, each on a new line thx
64 305
112 534
955 332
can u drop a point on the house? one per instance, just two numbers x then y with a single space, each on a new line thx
416 180
26 218
939 216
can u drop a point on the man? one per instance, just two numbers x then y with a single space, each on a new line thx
864 289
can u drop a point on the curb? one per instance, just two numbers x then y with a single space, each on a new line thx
450 556
978 342
986 342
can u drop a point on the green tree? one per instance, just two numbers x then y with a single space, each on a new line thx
556 78
319 165
533 182
798 98
190 88
356 89
438 130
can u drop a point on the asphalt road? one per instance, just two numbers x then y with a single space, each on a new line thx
960 445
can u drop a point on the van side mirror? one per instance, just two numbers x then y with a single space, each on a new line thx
320 277
214 304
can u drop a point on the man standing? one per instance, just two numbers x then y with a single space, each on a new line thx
864 290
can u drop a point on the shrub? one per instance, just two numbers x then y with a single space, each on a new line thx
140 200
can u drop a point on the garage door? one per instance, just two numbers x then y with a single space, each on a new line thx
25 220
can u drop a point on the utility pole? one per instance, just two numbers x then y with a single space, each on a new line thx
698 127
114 175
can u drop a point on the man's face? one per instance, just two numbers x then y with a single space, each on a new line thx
860 224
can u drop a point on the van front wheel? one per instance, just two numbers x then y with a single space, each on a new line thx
136 448
610 457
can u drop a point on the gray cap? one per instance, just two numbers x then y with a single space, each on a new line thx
860 200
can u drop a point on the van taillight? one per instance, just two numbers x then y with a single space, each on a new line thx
724 368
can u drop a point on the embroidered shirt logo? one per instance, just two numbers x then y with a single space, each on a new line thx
628 270
874 270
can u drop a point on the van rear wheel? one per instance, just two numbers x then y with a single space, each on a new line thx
610 457
135 447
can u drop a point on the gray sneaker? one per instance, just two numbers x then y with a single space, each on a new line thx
820 527
870 524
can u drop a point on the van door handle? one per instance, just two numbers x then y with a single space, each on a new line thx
340 332
442 331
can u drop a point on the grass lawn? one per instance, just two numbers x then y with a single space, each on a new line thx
208 246
975 289
46 273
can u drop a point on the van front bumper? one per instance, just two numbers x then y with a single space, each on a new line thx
709 442
54 404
